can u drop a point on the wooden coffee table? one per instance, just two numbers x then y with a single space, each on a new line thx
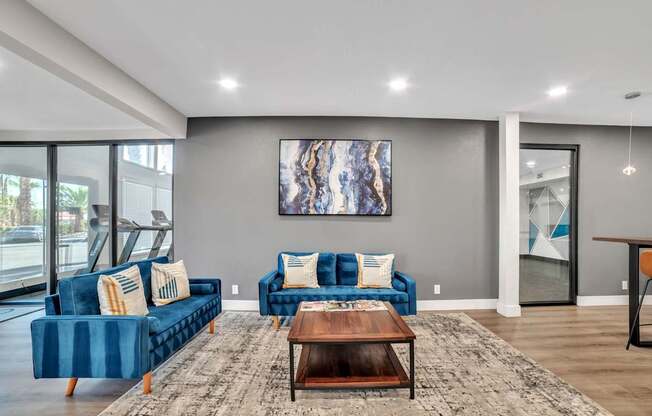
350 350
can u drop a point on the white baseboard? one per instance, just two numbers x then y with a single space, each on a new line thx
240 305
422 305
452 304
612 300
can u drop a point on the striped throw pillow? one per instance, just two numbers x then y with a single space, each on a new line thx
169 283
122 293
374 271
300 271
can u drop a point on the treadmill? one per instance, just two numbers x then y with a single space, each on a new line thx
100 224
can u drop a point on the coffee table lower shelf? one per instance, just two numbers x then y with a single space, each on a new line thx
349 366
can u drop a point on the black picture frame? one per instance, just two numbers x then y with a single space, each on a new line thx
391 179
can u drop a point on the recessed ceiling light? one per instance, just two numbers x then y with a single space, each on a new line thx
530 164
558 91
228 83
398 84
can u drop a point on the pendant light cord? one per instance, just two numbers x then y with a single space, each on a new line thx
631 122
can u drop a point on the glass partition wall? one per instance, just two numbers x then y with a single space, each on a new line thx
144 201
82 193
23 187
113 204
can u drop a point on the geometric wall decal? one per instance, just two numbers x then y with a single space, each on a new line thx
539 214
555 209
563 227
561 246
534 231
544 248
534 196
549 223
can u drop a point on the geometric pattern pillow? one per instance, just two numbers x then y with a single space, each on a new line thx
122 293
169 283
300 271
374 271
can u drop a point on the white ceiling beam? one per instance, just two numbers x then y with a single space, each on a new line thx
80 135
30 34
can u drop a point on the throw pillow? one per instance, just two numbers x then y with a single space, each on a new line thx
122 293
300 271
169 283
374 271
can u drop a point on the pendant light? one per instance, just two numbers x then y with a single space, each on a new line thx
629 169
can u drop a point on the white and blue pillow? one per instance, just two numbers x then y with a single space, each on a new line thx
169 283
375 271
122 293
300 271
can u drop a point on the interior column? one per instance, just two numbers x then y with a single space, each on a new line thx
508 237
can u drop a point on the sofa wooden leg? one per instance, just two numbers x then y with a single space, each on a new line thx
147 383
276 322
70 389
211 327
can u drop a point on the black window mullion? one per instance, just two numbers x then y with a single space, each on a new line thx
51 231
113 203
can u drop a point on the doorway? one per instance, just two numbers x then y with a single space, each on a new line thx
548 224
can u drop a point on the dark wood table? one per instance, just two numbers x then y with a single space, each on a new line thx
635 246
350 350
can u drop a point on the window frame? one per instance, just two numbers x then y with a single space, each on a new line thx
51 197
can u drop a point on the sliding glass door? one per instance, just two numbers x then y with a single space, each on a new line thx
145 200
112 203
548 195
83 181
23 189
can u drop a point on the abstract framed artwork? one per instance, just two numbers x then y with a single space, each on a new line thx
335 177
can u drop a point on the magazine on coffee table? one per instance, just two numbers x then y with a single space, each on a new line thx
339 306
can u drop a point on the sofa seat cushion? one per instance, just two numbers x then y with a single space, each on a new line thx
176 316
289 296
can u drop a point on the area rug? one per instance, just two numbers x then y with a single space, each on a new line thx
461 369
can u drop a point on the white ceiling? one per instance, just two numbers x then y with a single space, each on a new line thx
464 59
33 99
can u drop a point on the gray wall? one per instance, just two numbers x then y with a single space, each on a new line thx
610 203
445 202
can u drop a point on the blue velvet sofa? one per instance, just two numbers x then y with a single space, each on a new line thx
74 341
337 275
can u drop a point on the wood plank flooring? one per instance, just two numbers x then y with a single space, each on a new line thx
584 346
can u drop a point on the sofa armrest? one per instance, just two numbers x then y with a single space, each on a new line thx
411 290
264 290
214 281
90 346
52 305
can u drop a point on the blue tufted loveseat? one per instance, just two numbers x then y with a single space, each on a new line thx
74 341
337 275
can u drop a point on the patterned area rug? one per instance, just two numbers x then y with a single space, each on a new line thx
461 369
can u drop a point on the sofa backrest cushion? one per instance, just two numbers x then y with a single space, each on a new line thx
325 266
347 268
78 294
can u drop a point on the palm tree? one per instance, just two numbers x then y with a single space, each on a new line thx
74 199
24 200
